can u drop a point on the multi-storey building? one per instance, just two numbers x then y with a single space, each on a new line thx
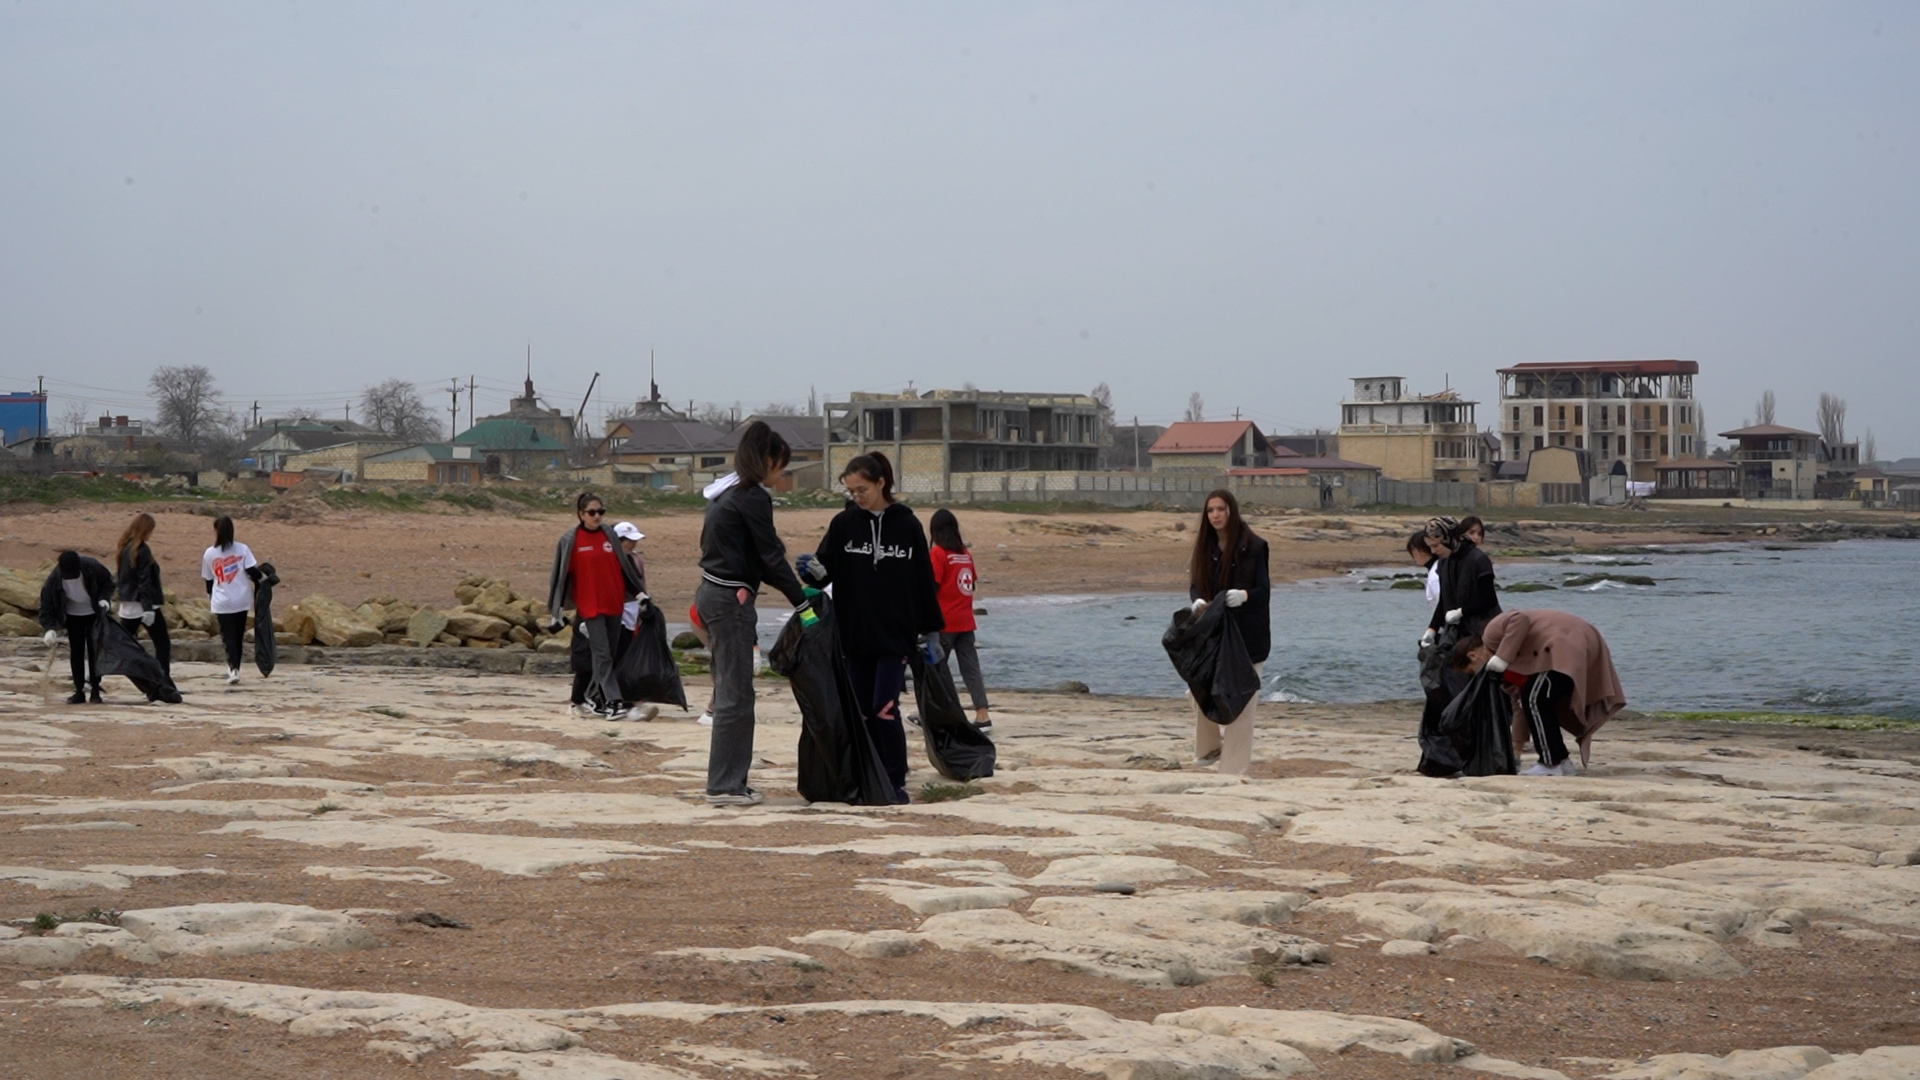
1639 413
1418 437
932 434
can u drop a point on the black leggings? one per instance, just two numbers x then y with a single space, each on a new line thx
82 653
162 646
233 634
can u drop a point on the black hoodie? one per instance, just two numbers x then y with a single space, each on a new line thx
1466 582
882 574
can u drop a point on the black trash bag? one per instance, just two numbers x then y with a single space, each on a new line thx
1435 659
645 667
266 650
838 762
956 748
1477 727
120 654
1207 652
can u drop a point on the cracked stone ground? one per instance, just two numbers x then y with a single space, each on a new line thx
368 873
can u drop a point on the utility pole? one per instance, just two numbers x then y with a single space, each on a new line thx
349 408
41 426
471 415
453 410
1136 442
256 414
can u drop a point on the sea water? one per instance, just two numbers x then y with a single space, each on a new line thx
1831 628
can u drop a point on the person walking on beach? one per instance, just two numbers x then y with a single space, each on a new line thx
739 550
876 556
137 590
594 577
72 599
953 576
229 569
1561 674
628 536
1228 557
1467 595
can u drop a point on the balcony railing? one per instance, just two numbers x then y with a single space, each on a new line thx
1643 424
1557 425
1641 454
1768 455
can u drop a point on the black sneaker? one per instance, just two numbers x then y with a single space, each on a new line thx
96 698
79 698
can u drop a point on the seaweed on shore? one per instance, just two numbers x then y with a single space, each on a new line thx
1528 586
1580 580
1835 722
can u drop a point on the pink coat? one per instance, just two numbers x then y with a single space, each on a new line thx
1544 640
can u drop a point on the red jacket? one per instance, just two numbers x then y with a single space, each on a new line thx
953 573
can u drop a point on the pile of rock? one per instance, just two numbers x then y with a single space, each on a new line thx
490 615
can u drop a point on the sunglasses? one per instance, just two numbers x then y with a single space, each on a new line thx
596 512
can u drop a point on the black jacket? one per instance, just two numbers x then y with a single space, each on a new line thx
1466 582
738 547
53 597
138 579
881 569
1248 571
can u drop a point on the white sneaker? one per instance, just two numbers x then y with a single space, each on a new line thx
748 797
706 719
583 710
642 713
1567 768
233 676
1537 769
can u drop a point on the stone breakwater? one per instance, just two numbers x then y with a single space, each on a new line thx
377 870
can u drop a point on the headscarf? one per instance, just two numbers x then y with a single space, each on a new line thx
1444 529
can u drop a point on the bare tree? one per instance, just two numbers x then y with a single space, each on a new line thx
394 407
302 414
780 408
1196 408
73 418
714 414
1869 448
813 402
1763 409
187 405
1832 414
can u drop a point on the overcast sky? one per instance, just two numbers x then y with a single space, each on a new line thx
1253 201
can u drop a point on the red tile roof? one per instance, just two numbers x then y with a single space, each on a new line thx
1201 437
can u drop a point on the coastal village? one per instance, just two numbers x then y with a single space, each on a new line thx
1563 433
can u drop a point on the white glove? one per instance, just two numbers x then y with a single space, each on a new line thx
641 599
1453 617
50 636
1198 606
1427 639
102 604
1496 665
1236 597
146 617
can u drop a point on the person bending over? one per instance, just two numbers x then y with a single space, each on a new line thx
1561 675
73 599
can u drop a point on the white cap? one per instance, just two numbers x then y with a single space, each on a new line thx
627 530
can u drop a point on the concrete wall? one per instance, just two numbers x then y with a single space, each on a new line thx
1486 494
400 471
1399 456
346 457
1185 490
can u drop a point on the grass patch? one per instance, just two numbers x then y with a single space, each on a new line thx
1527 586
46 922
387 710
1408 585
52 490
1830 721
326 808
940 791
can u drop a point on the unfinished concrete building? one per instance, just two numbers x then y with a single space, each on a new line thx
931 435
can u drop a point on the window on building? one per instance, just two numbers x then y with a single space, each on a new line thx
1579 416
1539 416
1559 440
1579 442
1539 441
1516 417
1620 415
880 424
1686 414
1664 413
710 462
1560 413
1664 452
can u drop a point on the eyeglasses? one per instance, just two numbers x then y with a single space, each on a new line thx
593 513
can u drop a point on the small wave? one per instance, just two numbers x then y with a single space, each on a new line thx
1286 696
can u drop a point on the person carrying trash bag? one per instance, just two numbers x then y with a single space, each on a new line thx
1230 563
739 550
137 590
594 577
1468 598
266 647
875 554
838 762
74 599
1561 675
643 664
954 575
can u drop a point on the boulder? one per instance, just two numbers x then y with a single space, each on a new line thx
296 624
12 625
559 644
336 626
444 638
399 616
425 625
191 614
687 639
521 635
476 625
18 590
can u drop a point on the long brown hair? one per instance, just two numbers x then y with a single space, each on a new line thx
761 450
1199 569
138 531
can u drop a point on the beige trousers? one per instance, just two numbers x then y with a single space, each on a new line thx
1234 741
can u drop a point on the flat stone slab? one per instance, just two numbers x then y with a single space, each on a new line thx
1086 871
754 954
244 929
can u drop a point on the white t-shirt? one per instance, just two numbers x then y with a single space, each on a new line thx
1433 582
78 602
232 588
